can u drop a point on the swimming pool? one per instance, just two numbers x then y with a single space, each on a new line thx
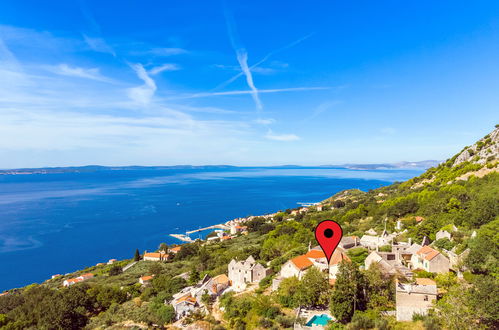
318 320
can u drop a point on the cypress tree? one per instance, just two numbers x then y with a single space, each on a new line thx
137 255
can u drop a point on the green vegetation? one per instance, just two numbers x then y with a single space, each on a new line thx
358 297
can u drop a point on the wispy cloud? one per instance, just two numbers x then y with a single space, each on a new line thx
242 58
265 121
142 94
99 45
78 72
258 70
281 137
164 67
323 107
264 59
146 49
261 91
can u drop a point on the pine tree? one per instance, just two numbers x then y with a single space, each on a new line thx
137 255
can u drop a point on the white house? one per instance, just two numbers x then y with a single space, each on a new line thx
155 256
80 278
145 280
430 260
334 264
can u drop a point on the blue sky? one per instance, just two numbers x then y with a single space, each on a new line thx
244 82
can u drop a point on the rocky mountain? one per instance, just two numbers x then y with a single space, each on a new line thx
483 151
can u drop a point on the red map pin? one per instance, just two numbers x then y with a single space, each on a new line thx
328 233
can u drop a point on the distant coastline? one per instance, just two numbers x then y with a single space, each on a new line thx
98 168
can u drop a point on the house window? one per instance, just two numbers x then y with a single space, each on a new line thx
425 298
390 257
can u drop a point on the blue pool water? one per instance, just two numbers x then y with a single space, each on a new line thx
319 320
58 223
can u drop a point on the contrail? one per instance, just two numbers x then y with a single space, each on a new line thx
260 91
242 58
265 58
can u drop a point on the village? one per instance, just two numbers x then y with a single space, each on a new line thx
396 259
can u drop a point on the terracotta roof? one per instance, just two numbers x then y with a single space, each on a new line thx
221 279
425 281
301 262
337 257
74 280
153 255
87 275
176 249
332 281
419 219
315 254
187 298
428 252
146 278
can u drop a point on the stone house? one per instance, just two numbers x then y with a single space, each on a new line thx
388 263
430 260
442 234
184 305
247 271
414 298
348 242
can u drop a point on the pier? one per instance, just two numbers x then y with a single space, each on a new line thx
182 237
206 228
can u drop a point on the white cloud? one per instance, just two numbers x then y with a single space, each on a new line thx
265 121
167 51
74 71
281 137
142 94
164 67
99 45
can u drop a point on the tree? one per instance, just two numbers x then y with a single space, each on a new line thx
163 247
380 289
115 270
348 292
484 250
313 289
137 255
287 290
194 276
155 268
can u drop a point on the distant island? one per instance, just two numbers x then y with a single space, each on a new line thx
97 168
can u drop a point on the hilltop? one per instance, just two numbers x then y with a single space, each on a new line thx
461 192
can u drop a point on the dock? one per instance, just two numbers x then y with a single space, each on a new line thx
182 237
206 228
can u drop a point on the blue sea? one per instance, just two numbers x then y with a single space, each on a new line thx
62 222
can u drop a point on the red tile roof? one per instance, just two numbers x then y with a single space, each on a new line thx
146 278
301 262
176 249
428 253
337 257
315 254
425 281
153 255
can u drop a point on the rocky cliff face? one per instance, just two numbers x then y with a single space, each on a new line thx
484 151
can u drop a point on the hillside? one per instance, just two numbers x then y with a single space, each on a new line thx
462 192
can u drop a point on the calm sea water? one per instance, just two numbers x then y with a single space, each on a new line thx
58 223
